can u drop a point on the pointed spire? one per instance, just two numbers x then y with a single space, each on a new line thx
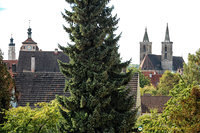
167 39
146 38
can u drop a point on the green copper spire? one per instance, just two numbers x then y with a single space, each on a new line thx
146 38
167 39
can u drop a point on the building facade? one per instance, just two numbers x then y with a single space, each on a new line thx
153 66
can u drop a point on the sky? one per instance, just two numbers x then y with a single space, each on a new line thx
46 22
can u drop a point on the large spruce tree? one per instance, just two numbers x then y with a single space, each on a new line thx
100 102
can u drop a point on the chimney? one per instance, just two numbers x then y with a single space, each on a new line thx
56 51
13 68
32 64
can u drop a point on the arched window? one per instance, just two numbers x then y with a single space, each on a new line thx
165 48
165 55
144 48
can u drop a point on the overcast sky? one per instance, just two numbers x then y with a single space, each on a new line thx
183 17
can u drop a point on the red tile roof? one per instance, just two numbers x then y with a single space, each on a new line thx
29 41
9 64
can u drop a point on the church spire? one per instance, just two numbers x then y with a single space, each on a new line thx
167 39
146 38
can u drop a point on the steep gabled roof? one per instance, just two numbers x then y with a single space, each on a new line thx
45 61
151 62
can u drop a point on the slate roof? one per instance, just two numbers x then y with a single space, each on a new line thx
153 102
39 87
153 62
43 84
45 61
177 62
47 81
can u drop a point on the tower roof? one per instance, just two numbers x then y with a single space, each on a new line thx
146 38
11 42
167 39
29 40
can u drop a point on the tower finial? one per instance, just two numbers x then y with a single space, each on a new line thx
29 30
167 39
146 38
11 41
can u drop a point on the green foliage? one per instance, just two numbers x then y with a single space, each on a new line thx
149 90
144 81
180 115
182 112
41 119
167 82
6 85
191 73
152 123
99 100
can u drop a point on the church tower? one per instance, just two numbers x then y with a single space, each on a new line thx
167 53
145 46
29 44
11 50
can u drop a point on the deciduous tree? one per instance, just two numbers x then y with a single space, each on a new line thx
167 82
41 119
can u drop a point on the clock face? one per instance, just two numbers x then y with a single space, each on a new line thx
29 47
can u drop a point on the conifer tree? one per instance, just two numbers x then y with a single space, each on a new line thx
6 84
100 102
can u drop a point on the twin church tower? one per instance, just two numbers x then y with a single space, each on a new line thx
148 61
166 58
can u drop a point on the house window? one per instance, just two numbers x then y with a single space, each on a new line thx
33 47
